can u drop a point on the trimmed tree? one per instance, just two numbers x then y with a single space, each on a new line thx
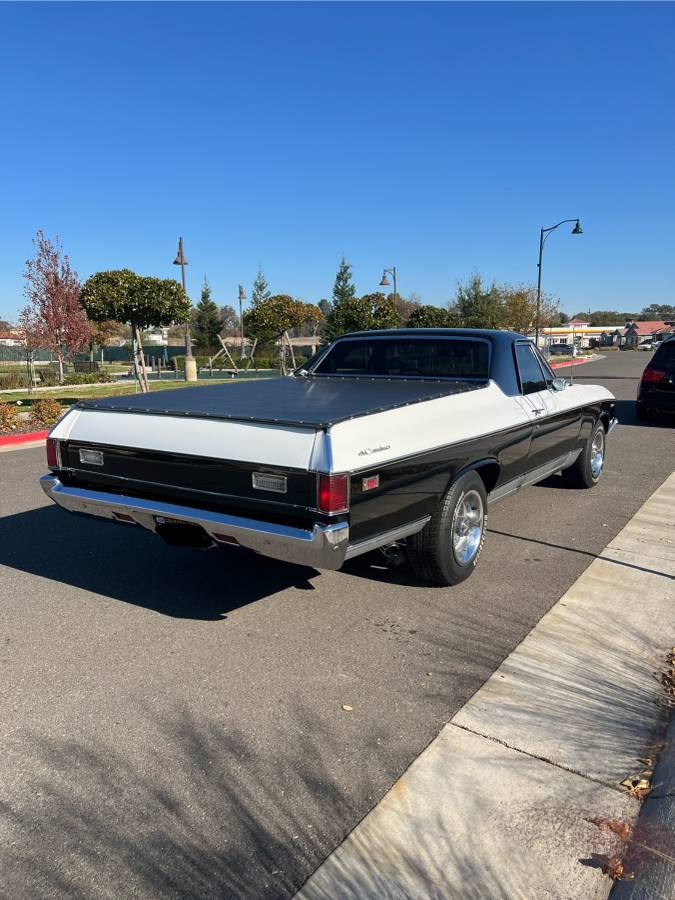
432 317
141 302
372 311
343 289
53 318
270 320
206 322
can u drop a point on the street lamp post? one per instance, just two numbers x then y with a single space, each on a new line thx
385 281
543 234
190 362
242 297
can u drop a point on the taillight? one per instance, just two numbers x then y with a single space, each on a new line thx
52 454
333 493
653 375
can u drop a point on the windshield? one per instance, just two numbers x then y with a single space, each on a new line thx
429 357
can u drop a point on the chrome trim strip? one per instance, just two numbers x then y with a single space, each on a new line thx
324 546
534 476
386 537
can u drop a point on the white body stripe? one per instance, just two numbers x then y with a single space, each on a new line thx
247 442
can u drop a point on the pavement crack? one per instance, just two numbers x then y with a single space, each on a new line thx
544 759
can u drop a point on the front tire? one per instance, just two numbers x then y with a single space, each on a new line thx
448 548
586 471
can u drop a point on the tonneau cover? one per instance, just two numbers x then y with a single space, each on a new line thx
314 402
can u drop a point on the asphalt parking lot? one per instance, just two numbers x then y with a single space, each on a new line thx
171 721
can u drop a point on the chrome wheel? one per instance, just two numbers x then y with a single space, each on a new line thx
597 453
467 527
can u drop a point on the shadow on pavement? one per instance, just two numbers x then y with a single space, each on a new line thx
607 559
211 821
139 568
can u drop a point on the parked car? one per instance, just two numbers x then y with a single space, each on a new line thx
382 438
562 350
646 345
656 392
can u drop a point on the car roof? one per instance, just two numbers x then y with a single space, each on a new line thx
502 367
493 334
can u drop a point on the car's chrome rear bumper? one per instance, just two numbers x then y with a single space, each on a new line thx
323 547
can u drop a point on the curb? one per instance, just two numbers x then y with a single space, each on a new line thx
15 440
522 792
572 362
651 848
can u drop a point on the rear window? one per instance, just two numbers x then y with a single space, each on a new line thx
665 355
408 357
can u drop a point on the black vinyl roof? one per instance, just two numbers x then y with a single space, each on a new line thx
502 362
314 402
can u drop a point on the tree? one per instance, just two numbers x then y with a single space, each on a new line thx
102 332
372 311
432 317
4 325
260 288
272 319
519 308
53 317
343 289
229 321
657 312
142 302
608 317
478 306
207 322
405 306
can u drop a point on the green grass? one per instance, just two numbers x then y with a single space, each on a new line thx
69 395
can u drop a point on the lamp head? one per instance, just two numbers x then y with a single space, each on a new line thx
577 228
180 258
385 280
242 295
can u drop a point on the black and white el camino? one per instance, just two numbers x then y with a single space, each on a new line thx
383 438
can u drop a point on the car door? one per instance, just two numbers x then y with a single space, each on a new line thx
555 423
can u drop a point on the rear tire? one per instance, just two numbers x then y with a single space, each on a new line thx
448 548
641 411
587 470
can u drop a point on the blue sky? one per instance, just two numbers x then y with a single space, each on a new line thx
435 137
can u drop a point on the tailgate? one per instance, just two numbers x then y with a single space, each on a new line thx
198 461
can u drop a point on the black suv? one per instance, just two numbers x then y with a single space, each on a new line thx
657 387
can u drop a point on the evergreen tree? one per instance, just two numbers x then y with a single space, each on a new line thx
261 289
207 321
343 289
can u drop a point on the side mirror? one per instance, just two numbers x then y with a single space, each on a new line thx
559 384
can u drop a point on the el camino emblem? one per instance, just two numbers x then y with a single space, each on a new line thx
368 451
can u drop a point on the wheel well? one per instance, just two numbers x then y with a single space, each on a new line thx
605 419
489 472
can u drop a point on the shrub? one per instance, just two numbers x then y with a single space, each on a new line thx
44 412
10 380
88 378
9 417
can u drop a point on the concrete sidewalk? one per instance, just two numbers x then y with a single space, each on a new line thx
498 805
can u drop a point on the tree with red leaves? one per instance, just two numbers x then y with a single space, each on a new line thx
53 318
